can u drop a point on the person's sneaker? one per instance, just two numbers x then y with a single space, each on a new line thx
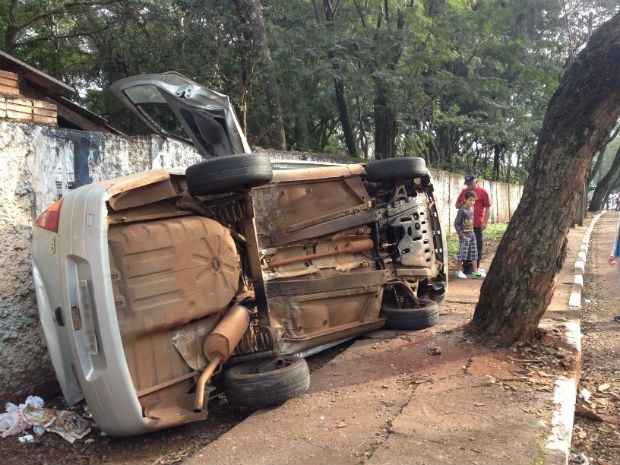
479 274
461 275
482 270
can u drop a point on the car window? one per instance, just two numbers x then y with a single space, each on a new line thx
153 106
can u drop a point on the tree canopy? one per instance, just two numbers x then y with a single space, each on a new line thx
462 83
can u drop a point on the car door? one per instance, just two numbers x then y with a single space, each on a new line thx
177 107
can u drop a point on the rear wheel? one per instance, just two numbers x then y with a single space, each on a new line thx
228 174
396 168
410 318
265 383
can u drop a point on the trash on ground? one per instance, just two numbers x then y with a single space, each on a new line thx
579 459
31 413
585 395
26 438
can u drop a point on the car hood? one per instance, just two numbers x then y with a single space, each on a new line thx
177 107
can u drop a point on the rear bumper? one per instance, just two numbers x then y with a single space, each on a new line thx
78 314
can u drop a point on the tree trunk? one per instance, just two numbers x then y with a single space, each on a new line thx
581 114
11 29
443 144
497 158
345 119
251 12
594 170
386 125
599 160
602 187
341 101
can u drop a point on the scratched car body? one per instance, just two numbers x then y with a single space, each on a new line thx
162 290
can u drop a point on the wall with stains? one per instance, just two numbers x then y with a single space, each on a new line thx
39 164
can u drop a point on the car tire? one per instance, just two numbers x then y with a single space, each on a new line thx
424 316
396 168
230 173
266 382
435 292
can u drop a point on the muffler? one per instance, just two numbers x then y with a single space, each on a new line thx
219 345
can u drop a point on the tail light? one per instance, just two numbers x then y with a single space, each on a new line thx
49 218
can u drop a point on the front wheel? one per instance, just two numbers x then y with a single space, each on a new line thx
265 383
423 316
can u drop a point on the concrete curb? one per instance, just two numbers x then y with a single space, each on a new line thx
557 446
574 302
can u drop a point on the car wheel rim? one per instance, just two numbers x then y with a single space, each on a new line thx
272 365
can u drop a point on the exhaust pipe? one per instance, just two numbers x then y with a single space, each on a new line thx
219 345
350 247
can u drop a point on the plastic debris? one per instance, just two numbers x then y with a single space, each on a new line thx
579 459
585 394
26 438
31 413
12 422
33 401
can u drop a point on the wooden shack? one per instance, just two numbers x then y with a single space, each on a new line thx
29 95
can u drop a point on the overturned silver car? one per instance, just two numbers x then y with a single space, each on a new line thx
161 290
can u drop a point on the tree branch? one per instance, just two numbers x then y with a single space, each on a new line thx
65 36
60 7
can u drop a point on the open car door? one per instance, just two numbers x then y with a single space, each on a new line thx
177 107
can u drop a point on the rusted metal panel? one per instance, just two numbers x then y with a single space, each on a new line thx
115 187
309 345
290 211
314 315
335 283
164 275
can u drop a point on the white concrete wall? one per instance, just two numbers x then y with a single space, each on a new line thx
448 186
38 164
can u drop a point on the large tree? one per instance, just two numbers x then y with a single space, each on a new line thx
581 114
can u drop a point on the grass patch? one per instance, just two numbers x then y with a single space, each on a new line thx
493 233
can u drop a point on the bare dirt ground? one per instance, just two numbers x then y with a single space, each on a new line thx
596 434
597 438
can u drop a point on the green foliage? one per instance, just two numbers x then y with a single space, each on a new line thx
463 84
